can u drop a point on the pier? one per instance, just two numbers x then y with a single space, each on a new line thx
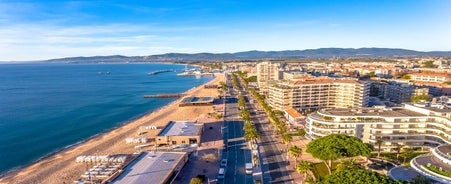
164 96
161 71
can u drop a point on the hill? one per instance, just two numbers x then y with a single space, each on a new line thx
253 55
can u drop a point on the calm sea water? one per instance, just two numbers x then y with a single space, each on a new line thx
46 107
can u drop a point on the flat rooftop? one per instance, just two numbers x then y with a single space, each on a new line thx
181 128
200 99
393 112
150 168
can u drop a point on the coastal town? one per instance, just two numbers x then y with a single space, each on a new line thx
259 121
225 92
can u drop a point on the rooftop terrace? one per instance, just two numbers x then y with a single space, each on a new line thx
394 112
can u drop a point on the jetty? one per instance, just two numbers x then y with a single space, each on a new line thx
164 96
161 71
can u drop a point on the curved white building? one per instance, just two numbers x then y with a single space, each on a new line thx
412 126
431 165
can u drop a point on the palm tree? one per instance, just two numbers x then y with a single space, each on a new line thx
287 138
251 134
379 143
304 167
296 152
281 128
408 153
248 126
398 149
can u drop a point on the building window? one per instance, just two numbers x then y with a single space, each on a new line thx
183 142
174 142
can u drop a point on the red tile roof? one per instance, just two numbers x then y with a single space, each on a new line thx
293 113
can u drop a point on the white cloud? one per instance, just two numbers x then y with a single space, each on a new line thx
36 42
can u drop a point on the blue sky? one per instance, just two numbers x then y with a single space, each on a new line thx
34 30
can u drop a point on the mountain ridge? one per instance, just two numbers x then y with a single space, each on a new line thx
255 55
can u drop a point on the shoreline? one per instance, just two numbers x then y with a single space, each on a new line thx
68 147
125 128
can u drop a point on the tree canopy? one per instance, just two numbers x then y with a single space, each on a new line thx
418 98
429 64
358 176
336 146
252 79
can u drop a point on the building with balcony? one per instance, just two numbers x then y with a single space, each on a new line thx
401 93
412 125
267 71
318 92
430 77
433 165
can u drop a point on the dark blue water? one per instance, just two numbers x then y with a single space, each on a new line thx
46 107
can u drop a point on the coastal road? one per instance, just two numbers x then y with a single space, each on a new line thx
274 166
237 152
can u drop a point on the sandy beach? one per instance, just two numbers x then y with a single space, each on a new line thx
62 168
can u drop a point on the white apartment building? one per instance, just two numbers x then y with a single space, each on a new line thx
430 77
267 71
412 125
318 92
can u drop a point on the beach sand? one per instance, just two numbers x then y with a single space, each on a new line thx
62 168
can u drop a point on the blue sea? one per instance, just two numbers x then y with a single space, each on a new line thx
45 107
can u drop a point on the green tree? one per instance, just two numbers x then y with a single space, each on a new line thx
336 146
281 128
248 126
301 133
358 176
295 152
218 116
420 179
418 98
398 148
347 164
406 77
245 115
252 79
251 135
287 138
379 143
304 167
223 86
429 64
407 154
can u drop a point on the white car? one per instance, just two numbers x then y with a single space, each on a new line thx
248 168
221 174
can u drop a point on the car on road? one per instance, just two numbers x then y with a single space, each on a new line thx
248 167
224 162
221 174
